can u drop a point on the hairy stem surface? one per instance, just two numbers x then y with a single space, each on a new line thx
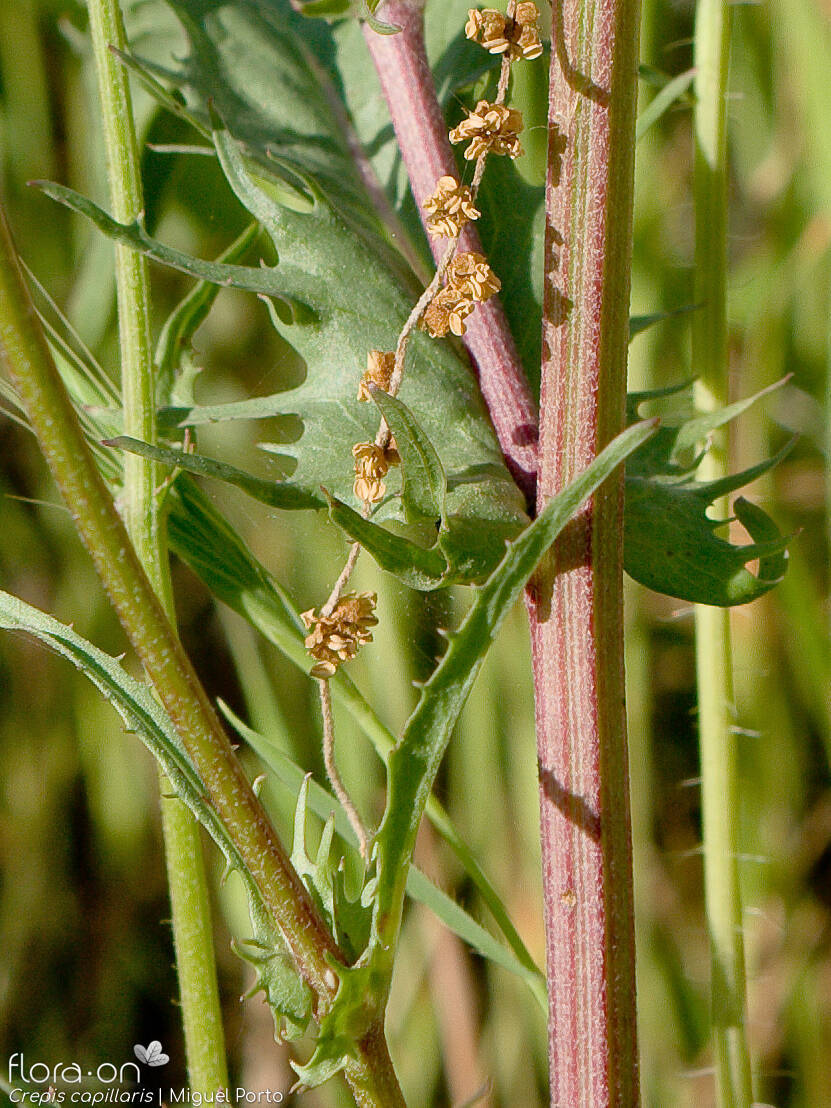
714 664
189 896
576 600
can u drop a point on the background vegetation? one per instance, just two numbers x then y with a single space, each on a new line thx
85 961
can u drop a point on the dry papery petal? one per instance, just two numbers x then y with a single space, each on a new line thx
470 280
492 128
449 208
447 312
380 365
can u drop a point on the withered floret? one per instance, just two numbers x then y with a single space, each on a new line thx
471 274
499 34
469 280
447 312
336 638
492 129
449 208
372 463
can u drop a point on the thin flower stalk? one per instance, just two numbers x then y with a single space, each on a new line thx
332 772
187 881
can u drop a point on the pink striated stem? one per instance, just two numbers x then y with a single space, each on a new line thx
401 62
576 601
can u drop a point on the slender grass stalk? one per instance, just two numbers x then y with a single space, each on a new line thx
719 787
189 895
25 354
577 599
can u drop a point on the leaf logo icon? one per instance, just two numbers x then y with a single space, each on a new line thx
151 1055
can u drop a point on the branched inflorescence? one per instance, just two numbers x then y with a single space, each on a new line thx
461 281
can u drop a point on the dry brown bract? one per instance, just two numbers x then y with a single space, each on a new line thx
372 463
379 369
337 637
449 208
516 38
492 129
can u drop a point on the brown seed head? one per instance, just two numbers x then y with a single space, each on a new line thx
449 208
336 638
491 128
470 280
447 312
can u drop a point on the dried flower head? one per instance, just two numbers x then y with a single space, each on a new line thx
449 208
379 369
469 280
372 463
470 274
447 312
498 34
491 128
337 637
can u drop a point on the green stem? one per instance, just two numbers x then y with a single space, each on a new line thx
719 787
137 374
26 356
189 895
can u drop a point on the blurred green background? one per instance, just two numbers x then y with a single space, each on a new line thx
85 957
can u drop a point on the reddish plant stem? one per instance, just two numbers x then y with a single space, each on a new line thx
575 600
576 603
421 130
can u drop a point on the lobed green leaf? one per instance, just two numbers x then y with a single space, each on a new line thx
671 543
277 494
